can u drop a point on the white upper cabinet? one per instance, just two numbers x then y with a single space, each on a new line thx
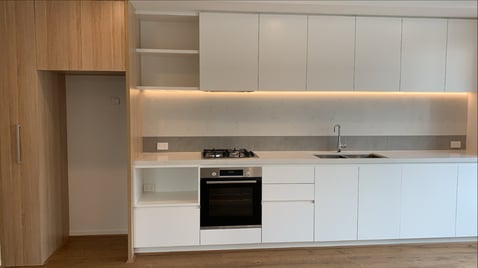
330 57
461 55
423 55
377 58
228 45
282 52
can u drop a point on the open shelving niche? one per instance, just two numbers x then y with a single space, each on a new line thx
166 186
168 50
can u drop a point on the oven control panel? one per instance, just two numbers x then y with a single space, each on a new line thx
234 172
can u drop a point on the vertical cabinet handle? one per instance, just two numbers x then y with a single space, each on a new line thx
19 143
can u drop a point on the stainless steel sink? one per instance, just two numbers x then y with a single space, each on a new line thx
345 156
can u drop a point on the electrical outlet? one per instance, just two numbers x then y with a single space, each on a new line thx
115 101
455 144
149 187
162 146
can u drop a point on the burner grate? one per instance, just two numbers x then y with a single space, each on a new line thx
227 153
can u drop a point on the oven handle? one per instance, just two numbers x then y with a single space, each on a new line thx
231 182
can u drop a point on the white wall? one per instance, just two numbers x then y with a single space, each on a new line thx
302 113
97 154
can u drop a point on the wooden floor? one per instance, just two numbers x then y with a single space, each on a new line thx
110 251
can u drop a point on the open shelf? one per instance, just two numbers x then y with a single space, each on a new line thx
166 186
168 50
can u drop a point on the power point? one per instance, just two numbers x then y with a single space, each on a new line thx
162 146
149 187
455 144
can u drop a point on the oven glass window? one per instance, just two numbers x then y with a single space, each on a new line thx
226 202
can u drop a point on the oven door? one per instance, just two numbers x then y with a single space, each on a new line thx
232 202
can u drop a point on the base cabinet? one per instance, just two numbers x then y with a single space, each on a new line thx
467 198
379 202
288 221
336 194
428 203
166 226
231 236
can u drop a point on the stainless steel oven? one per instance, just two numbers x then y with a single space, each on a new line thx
231 197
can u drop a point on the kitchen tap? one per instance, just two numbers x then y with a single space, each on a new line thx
339 141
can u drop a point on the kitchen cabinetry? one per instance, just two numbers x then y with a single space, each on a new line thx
168 51
229 51
379 202
377 54
282 52
330 56
166 226
288 204
33 182
336 196
461 56
80 35
466 207
423 54
166 207
428 203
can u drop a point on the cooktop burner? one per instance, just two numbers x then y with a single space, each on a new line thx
227 153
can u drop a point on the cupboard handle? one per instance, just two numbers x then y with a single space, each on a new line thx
19 143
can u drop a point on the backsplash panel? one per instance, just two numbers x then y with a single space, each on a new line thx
304 143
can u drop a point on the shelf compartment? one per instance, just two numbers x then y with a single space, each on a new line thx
166 186
167 51
169 70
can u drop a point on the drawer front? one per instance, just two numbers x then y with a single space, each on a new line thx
288 174
288 192
231 236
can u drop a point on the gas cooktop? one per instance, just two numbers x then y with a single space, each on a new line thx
227 153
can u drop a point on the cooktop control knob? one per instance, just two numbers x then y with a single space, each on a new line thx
214 173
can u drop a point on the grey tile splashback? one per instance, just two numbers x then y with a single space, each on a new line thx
304 143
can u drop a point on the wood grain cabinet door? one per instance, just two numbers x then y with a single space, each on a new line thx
80 35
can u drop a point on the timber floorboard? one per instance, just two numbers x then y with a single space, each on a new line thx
111 251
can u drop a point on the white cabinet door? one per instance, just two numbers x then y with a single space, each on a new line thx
288 221
379 202
428 200
231 236
282 52
423 55
330 57
228 47
461 56
166 226
466 214
377 59
336 195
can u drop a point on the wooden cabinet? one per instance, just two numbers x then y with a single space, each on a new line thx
80 35
229 51
282 52
331 52
423 54
428 203
166 226
33 182
336 195
379 202
466 207
461 56
377 54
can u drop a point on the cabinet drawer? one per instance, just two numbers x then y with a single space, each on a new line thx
286 192
166 226
231 236
288 174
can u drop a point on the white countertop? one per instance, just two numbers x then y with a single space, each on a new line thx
304 157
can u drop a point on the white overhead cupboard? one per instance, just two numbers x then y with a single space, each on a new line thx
229 51
423 54
377 54
282 52
244 52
